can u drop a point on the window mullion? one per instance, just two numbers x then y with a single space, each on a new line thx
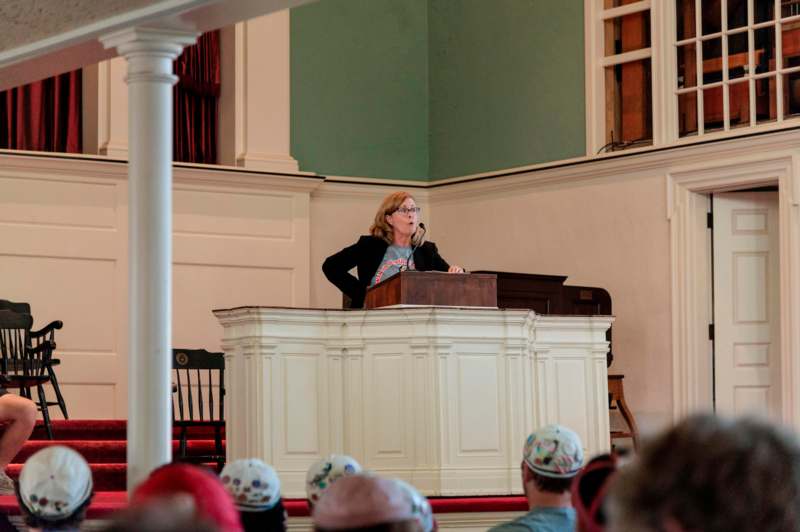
626 9
726 98
751 62
698 49
778 62
627 57
665 77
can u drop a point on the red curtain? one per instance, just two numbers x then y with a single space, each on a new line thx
43 116
196 105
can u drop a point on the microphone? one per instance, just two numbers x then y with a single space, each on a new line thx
413 249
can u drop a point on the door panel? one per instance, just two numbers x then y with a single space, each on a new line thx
746 303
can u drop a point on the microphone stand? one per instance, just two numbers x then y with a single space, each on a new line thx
414 248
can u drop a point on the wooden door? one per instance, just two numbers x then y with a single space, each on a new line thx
746 303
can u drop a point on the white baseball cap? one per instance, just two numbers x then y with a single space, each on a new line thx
254 485
326 471
55 482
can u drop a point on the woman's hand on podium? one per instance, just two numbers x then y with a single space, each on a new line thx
456 269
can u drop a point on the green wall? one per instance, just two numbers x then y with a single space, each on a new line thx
428 89
507 84
360 88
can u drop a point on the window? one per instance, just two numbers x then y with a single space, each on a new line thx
658 73
738 65
627 74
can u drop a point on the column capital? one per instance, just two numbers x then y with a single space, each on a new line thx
151 41
149 51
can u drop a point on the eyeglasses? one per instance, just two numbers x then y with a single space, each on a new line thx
412 210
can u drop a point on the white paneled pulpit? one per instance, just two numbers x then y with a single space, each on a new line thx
442 397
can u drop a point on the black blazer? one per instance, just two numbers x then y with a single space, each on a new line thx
366 255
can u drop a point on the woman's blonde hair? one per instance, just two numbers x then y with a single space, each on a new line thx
381 228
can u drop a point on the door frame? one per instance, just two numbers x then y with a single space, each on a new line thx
688 190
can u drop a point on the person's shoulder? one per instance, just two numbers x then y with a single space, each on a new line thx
370 240
517 525
541 520
371 243
428 245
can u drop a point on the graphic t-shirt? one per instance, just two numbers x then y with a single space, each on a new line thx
394 259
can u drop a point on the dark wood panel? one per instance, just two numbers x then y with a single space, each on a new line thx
434 288
547 294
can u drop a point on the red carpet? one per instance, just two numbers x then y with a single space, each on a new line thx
102 443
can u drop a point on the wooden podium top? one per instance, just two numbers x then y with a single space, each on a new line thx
434 288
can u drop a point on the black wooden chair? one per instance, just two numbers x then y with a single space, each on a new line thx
23 366
35 338
199 377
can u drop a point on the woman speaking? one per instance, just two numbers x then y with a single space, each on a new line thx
396 242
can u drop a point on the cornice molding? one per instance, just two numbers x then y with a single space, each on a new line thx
91 168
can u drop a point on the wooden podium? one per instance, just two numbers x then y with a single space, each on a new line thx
435 289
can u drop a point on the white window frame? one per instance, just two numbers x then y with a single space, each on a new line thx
664 83
596 63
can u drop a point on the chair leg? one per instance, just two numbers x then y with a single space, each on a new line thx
45 411
627 415
60 398
182 445
218 449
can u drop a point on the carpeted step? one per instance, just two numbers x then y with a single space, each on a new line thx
82 429
108 502
110 451
104 429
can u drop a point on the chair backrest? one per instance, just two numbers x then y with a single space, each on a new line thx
199 380
15 357
22 308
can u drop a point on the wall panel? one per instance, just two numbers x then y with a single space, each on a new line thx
238 237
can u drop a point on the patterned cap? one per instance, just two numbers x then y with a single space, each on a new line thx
420 507
254 485
554 451
55 482
362 501
323 473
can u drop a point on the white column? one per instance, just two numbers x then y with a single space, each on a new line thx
255 94
149 54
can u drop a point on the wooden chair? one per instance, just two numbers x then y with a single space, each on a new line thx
616 400
199 376
35 338
23 366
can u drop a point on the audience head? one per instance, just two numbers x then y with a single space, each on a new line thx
365 502
256 492
589 490
420 507
711 474
167 515
55 488
323 473
552 456
196 486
